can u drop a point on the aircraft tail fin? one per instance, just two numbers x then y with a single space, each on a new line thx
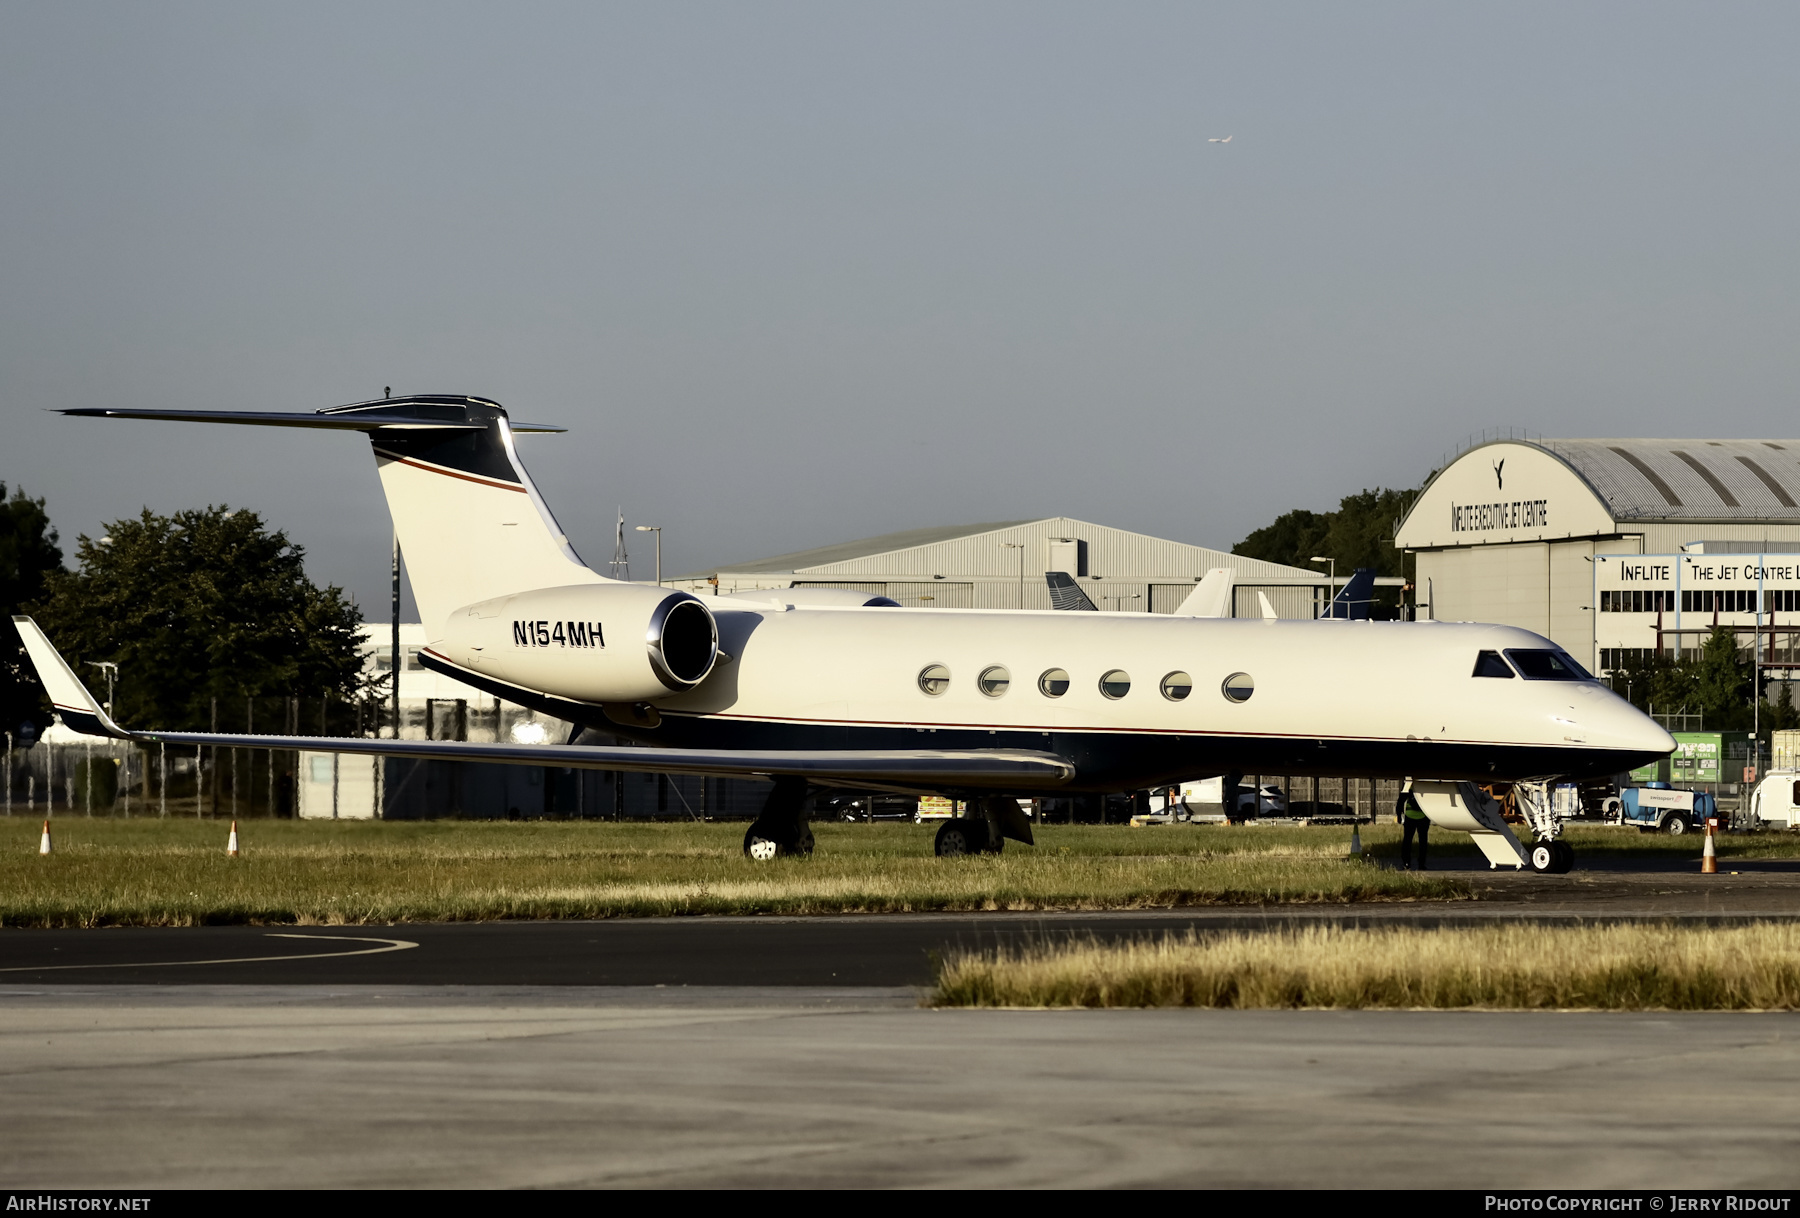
74 704
1065 593
1355 597
1211 597
472 526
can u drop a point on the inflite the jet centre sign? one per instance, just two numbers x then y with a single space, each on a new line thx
1503 492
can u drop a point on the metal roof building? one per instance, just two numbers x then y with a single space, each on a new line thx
1614 546
1001 565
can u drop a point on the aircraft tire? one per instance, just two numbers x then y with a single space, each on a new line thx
1565 858
760 846
956 838
1544 857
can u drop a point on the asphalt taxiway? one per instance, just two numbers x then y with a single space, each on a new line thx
781 1051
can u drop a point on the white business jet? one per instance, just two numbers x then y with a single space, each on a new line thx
830 688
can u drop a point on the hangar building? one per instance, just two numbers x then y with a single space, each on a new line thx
1615 548
1001 565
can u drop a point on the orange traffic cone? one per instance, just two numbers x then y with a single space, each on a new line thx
1709 862
44 842
231 845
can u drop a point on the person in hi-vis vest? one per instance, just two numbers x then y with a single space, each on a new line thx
1412 820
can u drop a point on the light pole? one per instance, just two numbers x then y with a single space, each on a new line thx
112 672
657 529
1333 578
1020 547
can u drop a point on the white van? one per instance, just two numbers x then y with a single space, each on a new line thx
1776 801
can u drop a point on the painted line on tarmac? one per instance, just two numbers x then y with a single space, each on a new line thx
391 945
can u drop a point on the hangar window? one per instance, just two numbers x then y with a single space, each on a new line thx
994 681
1054 683
1116 684
1238 687
1540 665
1176 686
1489 664
934 679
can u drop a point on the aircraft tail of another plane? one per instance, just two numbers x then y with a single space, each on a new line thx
471 524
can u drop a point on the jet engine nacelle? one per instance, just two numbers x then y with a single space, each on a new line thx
591 643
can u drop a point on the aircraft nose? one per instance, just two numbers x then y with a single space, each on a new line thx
1634 731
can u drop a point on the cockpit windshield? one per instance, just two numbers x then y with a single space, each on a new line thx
1489 664
1547 665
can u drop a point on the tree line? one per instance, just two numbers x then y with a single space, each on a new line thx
202 607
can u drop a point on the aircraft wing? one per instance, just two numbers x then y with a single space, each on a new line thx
905 768
410 414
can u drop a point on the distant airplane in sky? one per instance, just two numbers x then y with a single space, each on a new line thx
1216 140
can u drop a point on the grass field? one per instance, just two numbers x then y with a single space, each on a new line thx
1620 967
146 871
111 871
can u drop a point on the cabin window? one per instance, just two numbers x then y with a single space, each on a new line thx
1238 687
994 681
1054 683
934 679
1489 664
1116 684
1541 665
1176 686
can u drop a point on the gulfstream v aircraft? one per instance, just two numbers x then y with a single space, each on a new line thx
819 687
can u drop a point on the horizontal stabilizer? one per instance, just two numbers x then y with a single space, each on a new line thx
1065 593
400 414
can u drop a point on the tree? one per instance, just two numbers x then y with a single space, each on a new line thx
28 553
1714 683
200 605
1359 534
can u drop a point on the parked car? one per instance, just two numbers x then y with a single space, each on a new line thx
1266 800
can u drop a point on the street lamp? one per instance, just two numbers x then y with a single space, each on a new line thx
657 529
1333 577
112 672
1020 547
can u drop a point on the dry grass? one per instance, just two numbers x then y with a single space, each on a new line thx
175 873
1616 967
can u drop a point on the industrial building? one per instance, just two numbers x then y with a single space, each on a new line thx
1001 565
1616 548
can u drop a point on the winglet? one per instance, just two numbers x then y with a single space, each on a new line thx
77 707
1268 610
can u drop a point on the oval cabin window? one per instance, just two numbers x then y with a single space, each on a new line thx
1054 683
934 679
994 681
1238 687
1176 686
1115 684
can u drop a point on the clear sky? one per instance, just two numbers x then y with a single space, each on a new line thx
798 273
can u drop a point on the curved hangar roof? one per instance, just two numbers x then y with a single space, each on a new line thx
1522 490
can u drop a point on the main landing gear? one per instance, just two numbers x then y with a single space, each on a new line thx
781 829
983 828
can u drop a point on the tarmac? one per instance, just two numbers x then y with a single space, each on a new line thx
781 1052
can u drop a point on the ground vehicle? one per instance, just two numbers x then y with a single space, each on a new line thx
1658 807
1776 801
